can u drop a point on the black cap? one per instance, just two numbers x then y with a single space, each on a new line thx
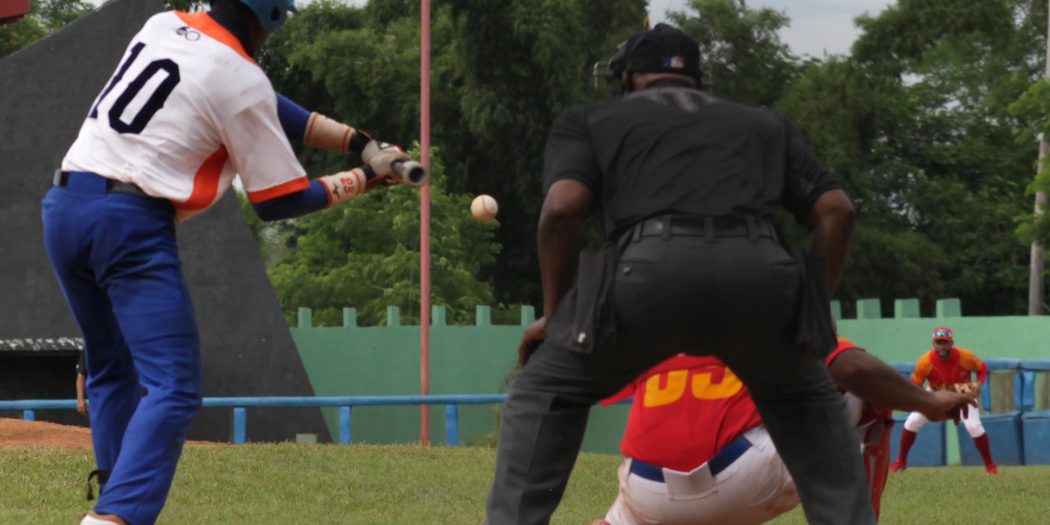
662 49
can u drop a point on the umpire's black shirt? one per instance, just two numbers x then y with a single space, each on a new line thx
674 150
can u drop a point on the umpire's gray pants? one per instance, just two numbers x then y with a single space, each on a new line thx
735 298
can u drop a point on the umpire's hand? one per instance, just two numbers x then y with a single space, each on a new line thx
531 340
944 405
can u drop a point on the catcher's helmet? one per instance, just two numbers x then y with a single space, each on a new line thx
271 13
662 49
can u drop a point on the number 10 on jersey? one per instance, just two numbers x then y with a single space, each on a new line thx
153 104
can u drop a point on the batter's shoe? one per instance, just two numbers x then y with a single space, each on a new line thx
101 519
898 466
992 469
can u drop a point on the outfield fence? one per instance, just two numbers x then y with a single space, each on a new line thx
1016 418
344 404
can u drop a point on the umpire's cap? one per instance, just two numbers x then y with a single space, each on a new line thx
662 49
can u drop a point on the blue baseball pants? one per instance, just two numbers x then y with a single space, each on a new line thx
117 262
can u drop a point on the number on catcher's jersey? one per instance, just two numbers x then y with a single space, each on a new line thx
710 383
133 89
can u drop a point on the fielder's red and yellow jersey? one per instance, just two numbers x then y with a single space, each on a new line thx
186 110
941 374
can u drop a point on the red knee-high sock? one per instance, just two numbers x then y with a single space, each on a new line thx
984 447
907 440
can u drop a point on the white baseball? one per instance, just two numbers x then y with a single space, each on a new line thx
484 208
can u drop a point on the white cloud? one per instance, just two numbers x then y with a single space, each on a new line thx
817 26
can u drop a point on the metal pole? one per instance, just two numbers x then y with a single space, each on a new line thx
424 223
1036 287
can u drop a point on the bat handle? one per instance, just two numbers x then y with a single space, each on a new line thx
411 172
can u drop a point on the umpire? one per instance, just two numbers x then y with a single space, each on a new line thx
686 184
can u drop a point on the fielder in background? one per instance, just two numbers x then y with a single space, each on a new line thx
948 367
185 111
697 451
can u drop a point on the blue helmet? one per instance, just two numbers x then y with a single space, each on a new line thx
271 13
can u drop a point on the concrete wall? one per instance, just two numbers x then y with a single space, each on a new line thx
478 359
384 360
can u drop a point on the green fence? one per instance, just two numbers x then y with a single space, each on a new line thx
384 360
356 360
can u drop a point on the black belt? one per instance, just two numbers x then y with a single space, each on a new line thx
62 179
725 457
708 227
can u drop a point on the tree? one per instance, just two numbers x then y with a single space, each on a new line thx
518 64
916 124
44 18
365 254
744 59
501 73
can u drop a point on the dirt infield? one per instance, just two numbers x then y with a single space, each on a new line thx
19 433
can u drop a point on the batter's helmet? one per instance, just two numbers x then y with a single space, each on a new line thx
662 49
271 13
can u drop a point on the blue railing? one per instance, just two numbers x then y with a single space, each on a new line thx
345 405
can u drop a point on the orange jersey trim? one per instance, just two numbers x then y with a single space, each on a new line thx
206 24
206 181
280 190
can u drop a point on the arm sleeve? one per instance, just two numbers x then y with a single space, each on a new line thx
921 371
981 368
806 176
313 198
570 153
256 142
294 118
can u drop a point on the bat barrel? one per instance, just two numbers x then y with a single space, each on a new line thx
411 172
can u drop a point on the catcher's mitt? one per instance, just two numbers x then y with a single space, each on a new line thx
969 389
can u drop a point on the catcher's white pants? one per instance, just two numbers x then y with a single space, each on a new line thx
753 489
916 421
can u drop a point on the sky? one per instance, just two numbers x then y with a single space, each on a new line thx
818 27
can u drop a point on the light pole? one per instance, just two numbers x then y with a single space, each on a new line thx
424 222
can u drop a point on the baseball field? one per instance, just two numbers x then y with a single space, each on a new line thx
377 485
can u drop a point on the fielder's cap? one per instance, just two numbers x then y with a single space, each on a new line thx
942 333
662 49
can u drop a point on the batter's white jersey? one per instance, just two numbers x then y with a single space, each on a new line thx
186 110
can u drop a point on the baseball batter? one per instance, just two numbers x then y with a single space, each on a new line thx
948 367
185 111
697 451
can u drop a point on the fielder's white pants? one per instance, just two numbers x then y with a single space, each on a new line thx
916 421
753 489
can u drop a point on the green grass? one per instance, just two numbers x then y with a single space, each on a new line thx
365 484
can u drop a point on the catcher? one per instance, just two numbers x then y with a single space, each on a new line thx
948 367
697 450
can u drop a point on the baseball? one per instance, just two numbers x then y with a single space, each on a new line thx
484 208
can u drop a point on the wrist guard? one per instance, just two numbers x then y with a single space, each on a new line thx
347 185
325 133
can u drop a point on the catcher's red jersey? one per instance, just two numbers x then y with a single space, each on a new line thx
942 374
685 410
